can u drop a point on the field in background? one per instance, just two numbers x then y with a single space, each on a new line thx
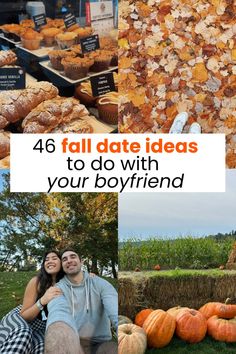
184 252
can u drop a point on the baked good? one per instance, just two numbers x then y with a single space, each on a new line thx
49 35
75 126
4 144
5 163
73 27
84 93
27 23
55 114
102 59
16 104
65 40
76 68
56 56
83 32
107 105
31 39
7 57
77 49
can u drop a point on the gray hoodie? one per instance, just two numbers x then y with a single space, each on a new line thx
89 307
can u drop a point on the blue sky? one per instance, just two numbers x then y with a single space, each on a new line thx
178 214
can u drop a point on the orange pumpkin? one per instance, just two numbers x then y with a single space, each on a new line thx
159 327
174 311
222 329
157 267
226 310
223 310
131 339
141 317
191 326
209 309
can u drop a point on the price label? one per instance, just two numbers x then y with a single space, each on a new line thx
69 20
89 44
12 78
39 20
102 84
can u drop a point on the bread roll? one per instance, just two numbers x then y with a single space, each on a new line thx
7 57
16 104
5 163
59 115
4 144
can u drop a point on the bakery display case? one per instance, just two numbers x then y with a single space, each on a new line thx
59 60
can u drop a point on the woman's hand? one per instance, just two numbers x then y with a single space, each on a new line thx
92 275
50 294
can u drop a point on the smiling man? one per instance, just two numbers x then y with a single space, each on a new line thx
80 320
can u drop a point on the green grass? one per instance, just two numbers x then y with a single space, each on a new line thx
12 287
207 346
178 273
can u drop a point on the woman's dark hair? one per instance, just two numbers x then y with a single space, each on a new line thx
45 279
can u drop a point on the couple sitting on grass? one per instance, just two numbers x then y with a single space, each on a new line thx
79 309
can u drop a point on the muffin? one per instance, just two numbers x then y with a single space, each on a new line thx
65 40
102 60
12 31
76 68
84 93
31 39
108 107
49 35
77 49
27 23
73 27
83 32
56 57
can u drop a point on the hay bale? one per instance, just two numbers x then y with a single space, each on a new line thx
154 292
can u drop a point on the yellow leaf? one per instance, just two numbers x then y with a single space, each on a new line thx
123 43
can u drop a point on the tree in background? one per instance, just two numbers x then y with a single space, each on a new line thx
30 223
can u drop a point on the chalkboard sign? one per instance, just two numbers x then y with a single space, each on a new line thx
39 20
89 44
12 78
102 84
69 20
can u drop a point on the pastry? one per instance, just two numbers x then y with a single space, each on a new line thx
76 68
31 39
16 104
65 40
102 59
54 115
107 105
56 57
84 93
7 57
5 163
49 35
4 144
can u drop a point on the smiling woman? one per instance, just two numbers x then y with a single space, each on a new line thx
22 329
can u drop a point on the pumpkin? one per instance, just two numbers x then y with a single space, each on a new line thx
191 326
223 310
157 267
123 320
174 311
226 310
159 327
131 339
222 329
141 317
209 309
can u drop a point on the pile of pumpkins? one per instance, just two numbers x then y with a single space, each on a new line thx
155 328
